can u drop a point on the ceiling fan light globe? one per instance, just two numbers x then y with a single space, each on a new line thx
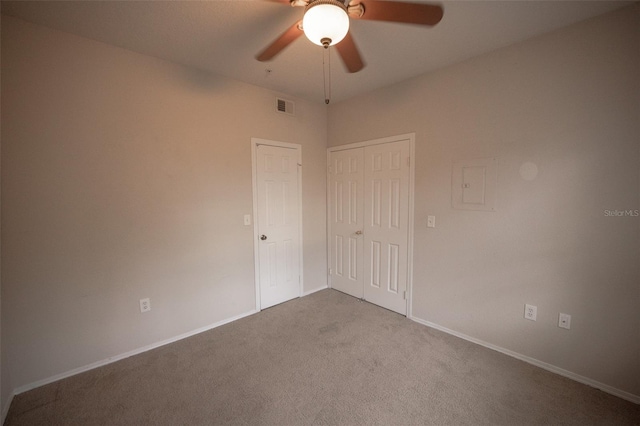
325 19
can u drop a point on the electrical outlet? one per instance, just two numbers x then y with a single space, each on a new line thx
564 321
530 312
145 305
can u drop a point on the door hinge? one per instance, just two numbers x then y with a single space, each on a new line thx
330 271
404 295
408 161
330 169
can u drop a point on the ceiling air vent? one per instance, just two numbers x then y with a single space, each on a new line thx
285 106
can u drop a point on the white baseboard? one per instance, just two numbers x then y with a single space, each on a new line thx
549 367
137 351
306 293
115 358
585 380
5 409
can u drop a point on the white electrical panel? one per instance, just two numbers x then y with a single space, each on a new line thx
474 184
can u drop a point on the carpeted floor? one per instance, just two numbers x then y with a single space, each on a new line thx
325 359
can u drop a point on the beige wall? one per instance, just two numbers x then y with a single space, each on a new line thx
123 177
570 103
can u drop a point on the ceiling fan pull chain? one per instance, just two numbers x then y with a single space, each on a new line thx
326 74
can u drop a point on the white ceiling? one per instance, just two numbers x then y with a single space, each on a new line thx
224 36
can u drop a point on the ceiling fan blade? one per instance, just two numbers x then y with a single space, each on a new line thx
407 13
292 3
287 37
349 54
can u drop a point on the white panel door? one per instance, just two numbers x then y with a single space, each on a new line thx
386 230
346 216
277 223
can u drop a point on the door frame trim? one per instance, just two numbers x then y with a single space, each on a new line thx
412 146
255 142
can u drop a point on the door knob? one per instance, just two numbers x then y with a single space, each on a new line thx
358 232
263 237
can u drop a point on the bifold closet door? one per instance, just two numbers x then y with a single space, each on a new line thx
386 219
369 222
346 215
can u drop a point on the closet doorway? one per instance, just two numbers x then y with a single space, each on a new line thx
370 220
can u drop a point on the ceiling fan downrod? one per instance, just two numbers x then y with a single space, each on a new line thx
326 73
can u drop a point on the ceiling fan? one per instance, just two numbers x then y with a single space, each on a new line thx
326 23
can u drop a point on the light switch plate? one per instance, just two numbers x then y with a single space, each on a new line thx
431 221
564 321
247 219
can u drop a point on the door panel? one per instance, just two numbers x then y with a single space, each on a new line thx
369 223
386 228
277 221
346 221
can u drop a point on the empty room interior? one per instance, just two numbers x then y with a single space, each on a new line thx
208 217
